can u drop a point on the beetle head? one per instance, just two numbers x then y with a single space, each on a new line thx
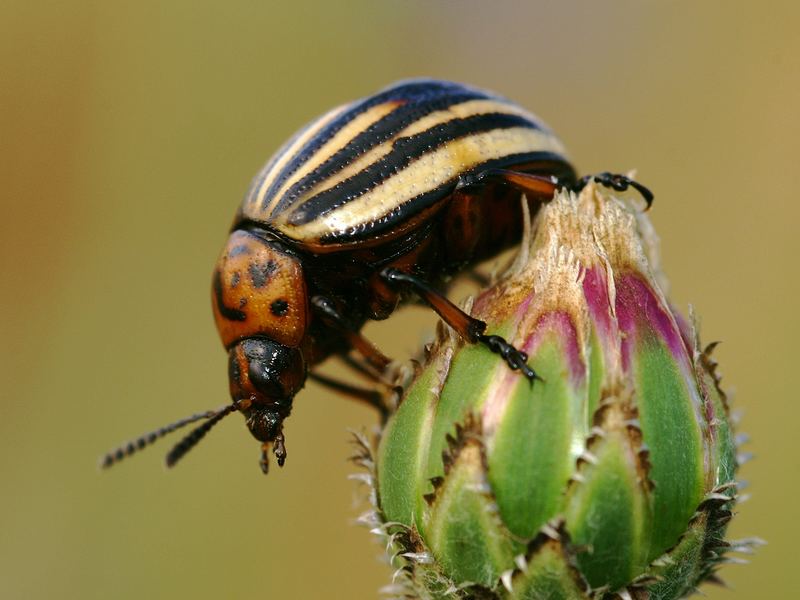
264 377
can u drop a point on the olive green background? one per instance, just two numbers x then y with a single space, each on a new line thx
129 132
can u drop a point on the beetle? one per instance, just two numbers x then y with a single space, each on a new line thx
375 201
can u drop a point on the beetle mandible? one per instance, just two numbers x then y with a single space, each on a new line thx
376 200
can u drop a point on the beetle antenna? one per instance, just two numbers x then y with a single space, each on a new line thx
198 433
113 457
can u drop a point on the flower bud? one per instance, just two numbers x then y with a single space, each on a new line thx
614 473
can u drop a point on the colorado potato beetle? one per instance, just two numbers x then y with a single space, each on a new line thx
376 201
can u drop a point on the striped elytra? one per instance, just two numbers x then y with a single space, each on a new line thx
362 170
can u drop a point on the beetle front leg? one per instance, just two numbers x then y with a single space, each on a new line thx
327 311
470 328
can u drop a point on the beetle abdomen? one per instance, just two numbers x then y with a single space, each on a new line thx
364 170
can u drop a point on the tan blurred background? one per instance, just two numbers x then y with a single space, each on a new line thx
129 132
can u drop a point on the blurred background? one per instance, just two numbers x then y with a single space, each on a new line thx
130 131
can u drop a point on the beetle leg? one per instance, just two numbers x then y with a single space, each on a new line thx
540 187
327 311
468 327
362 368
616 182
533 186
483 214
371 397
479 278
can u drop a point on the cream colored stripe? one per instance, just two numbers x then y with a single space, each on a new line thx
464 110
336 143
289 153
456 111
423 175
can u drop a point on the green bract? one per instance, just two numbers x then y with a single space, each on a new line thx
612 477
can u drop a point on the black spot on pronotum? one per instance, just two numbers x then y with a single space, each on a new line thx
261 272
229 313
237 250
279 307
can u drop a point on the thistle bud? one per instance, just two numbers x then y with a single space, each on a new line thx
613 475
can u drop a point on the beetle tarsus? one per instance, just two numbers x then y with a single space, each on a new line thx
517 360
617 182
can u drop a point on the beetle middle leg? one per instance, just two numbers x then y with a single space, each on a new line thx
468 327
376 361
331 317
372 398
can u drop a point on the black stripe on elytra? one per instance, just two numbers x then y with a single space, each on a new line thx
412 92
379 132
404 151
229 313
531 162
258 180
